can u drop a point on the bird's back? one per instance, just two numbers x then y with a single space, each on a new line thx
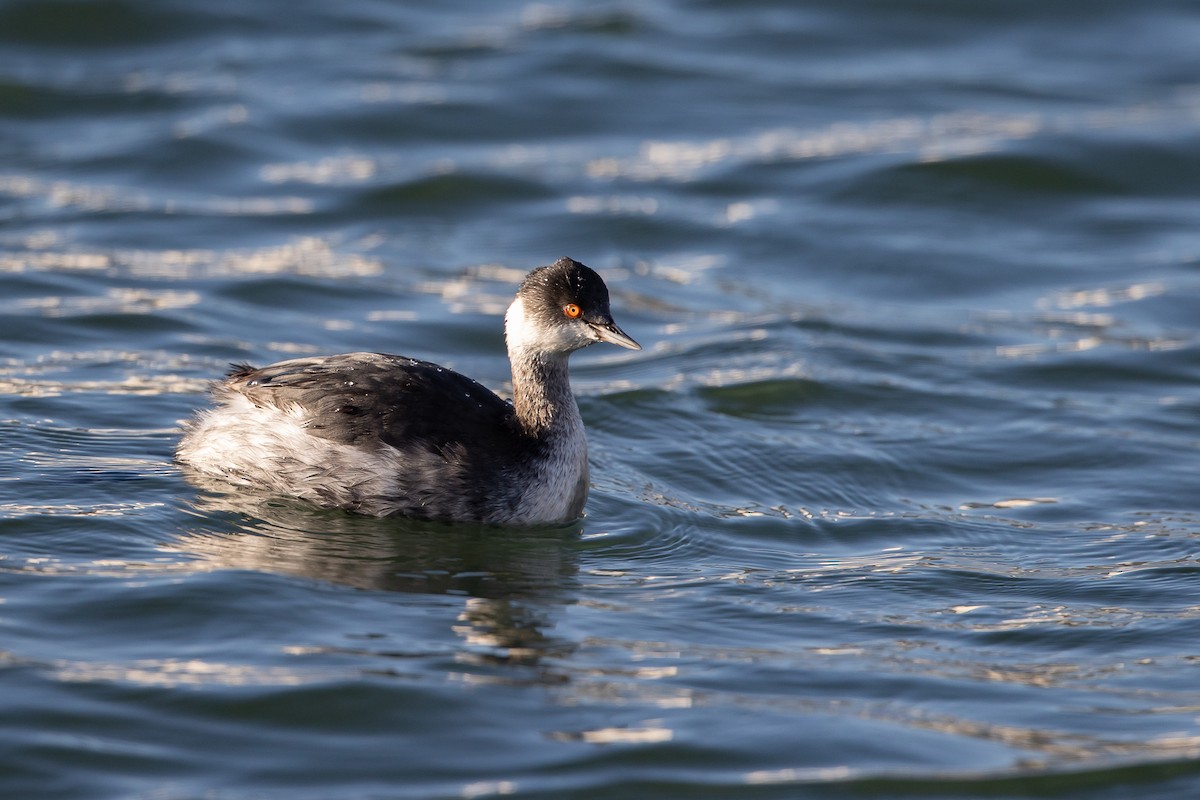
370 432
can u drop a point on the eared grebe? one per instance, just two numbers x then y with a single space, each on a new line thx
382 434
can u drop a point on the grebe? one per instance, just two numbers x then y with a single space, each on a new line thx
382 434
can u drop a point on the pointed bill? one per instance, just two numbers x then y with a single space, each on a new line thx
609 332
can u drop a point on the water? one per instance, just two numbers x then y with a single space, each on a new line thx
898 501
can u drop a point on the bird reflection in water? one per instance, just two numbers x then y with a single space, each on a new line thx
511 579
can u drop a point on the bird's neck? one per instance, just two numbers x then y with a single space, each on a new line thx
542 397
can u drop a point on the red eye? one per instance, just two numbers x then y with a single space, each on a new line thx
571 310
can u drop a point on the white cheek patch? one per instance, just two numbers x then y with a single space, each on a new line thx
518 329
523 333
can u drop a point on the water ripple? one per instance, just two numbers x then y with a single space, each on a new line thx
897 501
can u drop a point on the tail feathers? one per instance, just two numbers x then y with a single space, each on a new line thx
239 369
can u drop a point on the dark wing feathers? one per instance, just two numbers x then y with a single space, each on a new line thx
367 398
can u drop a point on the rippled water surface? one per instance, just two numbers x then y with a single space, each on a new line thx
899 500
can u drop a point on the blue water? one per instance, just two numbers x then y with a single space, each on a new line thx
898 501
